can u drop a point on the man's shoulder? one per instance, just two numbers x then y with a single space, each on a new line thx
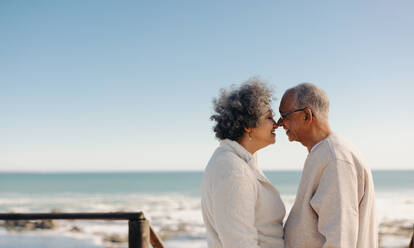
341 150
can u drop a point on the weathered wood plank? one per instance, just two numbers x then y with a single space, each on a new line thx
80 216
140 233
155 240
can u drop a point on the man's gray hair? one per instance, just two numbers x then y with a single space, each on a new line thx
310 95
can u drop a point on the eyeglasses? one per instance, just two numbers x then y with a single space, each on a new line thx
283 115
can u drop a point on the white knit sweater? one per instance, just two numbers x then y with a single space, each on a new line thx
241 208
335 202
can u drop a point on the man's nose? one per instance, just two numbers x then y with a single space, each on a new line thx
280 122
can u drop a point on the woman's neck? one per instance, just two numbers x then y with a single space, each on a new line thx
250 146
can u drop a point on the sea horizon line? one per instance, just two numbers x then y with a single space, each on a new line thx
157 171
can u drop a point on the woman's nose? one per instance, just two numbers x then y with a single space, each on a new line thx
275 124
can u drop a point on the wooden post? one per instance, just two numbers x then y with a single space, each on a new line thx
412 241
138 234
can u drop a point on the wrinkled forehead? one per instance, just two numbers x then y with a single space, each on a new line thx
288 101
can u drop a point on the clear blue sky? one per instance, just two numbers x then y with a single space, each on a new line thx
127 85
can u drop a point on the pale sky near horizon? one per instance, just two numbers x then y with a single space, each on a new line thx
128 85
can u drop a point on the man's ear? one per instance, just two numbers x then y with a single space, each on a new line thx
308 115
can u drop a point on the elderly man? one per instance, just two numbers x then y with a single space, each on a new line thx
335 201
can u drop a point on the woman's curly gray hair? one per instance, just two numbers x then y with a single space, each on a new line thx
240 108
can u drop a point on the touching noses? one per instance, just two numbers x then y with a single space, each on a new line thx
280 122
275 124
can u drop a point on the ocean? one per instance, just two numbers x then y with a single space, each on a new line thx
170 200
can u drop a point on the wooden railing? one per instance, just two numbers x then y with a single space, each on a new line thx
140 232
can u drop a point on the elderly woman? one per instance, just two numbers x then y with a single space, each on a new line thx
241 208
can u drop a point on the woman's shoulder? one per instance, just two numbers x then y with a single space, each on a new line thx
226 168
226 163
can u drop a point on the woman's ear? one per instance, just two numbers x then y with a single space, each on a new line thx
248 131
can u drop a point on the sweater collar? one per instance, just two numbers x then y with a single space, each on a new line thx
332 134
238 149
251 160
